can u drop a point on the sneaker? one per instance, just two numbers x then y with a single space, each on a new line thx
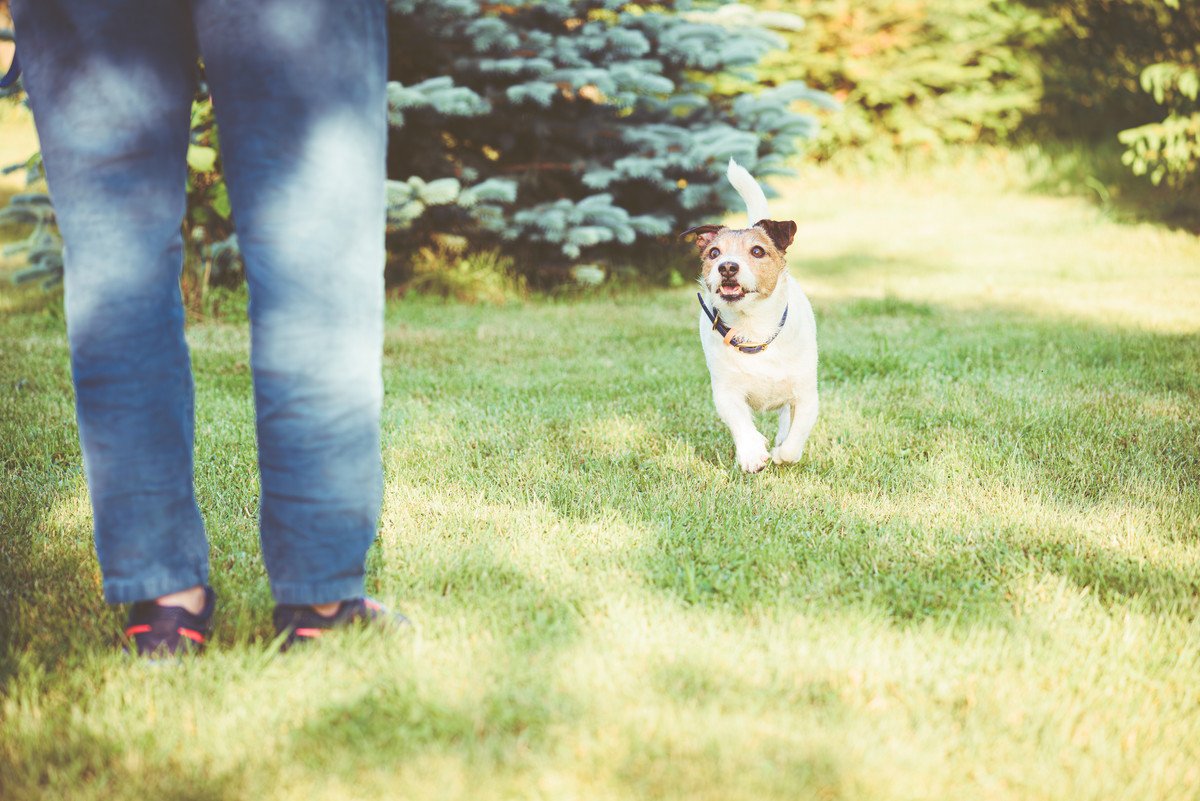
302 623
158 631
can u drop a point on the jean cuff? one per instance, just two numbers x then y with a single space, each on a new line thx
128 591
321 592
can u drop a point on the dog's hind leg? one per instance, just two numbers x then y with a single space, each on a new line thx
785 423
802 418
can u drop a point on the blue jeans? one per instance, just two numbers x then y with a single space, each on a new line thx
299 89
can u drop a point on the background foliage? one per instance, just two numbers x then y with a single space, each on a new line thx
1125 69
1169 148
922 76
583 131
913 75
561 132
1093 57
539 144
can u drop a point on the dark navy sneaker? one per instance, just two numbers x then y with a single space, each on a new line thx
160 631
302 623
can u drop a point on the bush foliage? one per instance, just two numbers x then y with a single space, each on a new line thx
1126 69
922 74
1093 56
913 75
1170 148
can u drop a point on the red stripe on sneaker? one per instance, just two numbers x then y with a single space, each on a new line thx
191 635
309 632
374 606
132 630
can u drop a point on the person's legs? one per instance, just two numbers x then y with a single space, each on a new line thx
299 90
111 85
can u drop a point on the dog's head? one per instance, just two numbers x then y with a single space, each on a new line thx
742 265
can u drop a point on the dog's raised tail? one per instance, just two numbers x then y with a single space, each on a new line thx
751 192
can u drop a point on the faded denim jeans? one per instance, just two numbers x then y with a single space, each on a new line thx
299 90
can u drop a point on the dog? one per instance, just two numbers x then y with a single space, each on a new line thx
757 329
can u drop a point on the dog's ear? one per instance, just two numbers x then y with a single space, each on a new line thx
781 232
704 234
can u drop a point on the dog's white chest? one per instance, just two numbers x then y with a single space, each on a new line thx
767 380
775 376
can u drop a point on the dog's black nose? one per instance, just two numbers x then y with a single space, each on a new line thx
727 269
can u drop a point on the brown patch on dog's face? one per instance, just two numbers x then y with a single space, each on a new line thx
737 264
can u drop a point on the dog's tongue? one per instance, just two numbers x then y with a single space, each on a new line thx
728 289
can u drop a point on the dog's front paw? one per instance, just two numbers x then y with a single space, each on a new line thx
752 460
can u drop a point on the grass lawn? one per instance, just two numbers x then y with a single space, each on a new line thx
981 582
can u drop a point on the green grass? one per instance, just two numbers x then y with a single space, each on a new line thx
982 581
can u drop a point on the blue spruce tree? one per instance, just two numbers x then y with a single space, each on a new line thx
579 130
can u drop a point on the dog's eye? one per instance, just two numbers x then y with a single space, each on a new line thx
712 254
757 252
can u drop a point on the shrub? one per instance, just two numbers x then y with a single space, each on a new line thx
1169 148
444 270
1095 56
1113 68
210 253
915 75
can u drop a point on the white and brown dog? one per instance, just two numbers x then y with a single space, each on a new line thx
757 329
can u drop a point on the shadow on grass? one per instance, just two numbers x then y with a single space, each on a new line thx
715 765
397 720
45 538
66 760
511 703
1115 578
1093 170
901 571
548 621
761 569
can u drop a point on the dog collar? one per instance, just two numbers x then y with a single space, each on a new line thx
730 337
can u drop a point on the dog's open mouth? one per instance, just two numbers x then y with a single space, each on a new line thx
731 290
